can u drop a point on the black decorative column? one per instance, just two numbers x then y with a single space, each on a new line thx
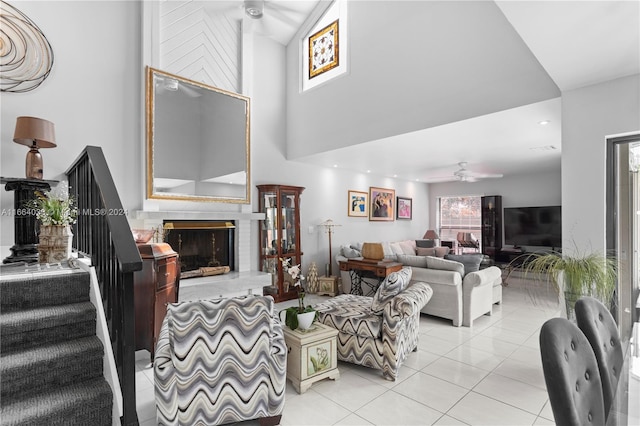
26 225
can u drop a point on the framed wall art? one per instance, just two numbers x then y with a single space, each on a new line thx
323 50
404 208
358 204
381 204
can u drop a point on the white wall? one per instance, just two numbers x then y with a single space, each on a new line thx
589 115
325 196
92 95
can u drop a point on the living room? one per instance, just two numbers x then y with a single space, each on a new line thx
95 96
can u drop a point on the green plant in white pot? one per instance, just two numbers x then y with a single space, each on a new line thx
297 316
574 276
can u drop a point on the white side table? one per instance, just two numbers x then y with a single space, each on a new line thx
312 355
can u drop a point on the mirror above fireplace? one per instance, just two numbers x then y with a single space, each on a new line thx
197 141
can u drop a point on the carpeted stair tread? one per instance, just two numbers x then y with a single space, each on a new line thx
85 403
29 291
23 329
56 364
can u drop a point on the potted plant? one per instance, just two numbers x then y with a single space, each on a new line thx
56 211
297 316
574 276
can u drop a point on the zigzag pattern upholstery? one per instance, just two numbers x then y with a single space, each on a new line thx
220 361
397 336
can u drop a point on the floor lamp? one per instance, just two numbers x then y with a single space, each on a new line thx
328 228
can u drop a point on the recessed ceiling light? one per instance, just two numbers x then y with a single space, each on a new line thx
544 122
335 165
368 171
395 175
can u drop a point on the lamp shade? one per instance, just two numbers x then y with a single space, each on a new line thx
431 235
32 129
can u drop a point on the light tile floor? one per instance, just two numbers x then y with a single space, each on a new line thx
489 374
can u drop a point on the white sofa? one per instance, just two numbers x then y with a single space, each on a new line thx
458 295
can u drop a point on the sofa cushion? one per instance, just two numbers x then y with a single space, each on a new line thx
445 265
425 243
423 251
471 262
350 314
396 249
413 260
442 251
393 284
407 247
349 252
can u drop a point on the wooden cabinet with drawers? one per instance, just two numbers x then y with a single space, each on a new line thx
155 286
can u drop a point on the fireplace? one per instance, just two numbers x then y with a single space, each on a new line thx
201 244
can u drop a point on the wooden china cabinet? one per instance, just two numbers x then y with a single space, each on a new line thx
280 236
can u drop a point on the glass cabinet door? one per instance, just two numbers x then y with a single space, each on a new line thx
280 236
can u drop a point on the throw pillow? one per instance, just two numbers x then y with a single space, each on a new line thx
393 284
442 251
413 260
349 252
425 243
395 247
471 262
421 251
445 265
407 248
356 246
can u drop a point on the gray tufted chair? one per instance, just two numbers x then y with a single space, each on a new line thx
598 325
571 374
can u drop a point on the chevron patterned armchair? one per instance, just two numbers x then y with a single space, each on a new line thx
220 361
378 332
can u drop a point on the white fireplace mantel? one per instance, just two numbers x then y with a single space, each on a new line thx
195 215
155 218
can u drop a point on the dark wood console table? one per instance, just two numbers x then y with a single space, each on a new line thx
360 269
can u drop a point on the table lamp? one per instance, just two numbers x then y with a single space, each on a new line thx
34 133
430 235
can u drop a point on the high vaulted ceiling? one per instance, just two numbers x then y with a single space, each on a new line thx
577 43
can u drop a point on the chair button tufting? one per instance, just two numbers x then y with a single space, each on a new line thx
566 356
589 416
573 345
600 317
586 375
577 387
612 343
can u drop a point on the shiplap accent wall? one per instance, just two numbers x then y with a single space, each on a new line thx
200 44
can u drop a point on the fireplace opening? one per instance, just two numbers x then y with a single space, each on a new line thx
204 247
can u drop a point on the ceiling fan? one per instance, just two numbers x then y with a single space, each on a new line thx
278 19
465 175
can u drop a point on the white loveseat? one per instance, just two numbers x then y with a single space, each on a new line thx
458 294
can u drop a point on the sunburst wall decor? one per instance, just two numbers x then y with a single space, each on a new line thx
26 56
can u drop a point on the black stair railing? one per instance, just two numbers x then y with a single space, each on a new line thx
102 233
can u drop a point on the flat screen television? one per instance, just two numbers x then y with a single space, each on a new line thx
533 226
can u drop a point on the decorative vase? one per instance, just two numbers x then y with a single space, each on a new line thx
312 278
55 243
305 320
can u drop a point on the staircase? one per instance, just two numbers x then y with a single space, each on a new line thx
51 362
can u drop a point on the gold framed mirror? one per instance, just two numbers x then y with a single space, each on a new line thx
198 146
